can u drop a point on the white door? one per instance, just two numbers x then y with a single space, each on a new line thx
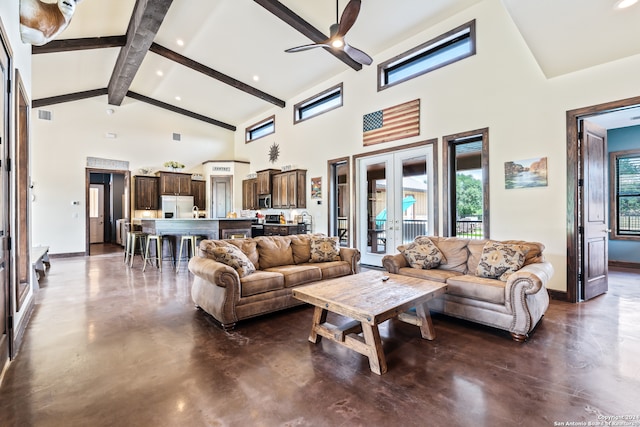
96 213
395 201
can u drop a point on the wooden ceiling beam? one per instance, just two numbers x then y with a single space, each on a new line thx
76 96
68 45
210 72
308 30
144 25
179 110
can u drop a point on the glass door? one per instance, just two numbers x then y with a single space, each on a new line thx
395 201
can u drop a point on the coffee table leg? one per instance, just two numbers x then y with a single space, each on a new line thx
377 362
319 317
426 325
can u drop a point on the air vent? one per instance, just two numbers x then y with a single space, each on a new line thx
44 115
176 136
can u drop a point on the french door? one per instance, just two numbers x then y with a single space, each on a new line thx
395 197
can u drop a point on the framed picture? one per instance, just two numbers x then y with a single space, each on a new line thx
525 173
316 188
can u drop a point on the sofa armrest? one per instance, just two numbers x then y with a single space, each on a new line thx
527 297
352 256
393 263
215 272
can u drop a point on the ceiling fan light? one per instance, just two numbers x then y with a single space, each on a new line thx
623 4
337 43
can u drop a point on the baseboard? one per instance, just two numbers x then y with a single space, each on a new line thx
24 321
68 255
557 295
624 264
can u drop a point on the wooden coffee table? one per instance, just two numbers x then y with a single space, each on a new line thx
369 301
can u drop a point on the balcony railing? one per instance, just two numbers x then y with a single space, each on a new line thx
469 229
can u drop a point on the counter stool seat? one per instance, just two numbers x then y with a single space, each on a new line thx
158 239
191 241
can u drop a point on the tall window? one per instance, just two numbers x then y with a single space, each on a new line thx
260 129
625 206
318 104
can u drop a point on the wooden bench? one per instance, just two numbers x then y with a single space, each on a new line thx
40 257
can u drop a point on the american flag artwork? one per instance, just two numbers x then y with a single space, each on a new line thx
390 124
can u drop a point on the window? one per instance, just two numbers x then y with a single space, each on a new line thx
260 129
625 206
321 103
446 49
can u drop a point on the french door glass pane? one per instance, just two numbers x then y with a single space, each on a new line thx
415 196
376 207
94 210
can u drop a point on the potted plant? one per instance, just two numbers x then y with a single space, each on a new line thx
173 165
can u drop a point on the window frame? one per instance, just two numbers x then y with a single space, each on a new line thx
613 193
259 125
318 100
431 46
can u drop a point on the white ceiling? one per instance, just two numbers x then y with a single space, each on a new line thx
242 39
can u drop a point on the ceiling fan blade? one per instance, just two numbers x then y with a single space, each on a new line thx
306 47
348 18
357 55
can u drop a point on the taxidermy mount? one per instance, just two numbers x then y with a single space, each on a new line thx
41 22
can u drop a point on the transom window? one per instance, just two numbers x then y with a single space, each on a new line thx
625 181
318 104
446 49
260 129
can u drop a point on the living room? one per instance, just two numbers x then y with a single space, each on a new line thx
505 87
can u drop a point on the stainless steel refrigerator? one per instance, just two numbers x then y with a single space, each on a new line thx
177 206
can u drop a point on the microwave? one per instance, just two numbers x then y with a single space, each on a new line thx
264 201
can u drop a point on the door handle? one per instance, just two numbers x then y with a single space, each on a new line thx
606 230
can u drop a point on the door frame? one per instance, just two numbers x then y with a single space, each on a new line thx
87 186
332 190
573 236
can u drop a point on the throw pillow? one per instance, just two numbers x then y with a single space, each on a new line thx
422 253
499 260
324 249
234 258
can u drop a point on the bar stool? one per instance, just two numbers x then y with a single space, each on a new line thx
159 239
135 240
191 241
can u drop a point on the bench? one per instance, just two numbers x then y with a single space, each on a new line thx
40 257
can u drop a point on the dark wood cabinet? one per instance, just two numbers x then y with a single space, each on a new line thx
289 190
199 191
265 180
283 230
175 184
250 193
146 193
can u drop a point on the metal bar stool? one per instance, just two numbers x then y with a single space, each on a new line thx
159 239
135 240
191 241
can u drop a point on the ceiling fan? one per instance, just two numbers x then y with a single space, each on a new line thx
337 33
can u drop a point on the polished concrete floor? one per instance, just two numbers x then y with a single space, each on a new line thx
112 346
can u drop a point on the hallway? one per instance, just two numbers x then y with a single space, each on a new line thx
109 345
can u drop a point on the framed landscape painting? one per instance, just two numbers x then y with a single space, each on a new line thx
525 173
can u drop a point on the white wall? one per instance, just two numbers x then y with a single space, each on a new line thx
501 88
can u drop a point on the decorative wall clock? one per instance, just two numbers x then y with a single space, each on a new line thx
274 153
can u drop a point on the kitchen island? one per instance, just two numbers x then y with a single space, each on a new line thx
214 228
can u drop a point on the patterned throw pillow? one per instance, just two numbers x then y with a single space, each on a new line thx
233 257
499 260
324 249
422 253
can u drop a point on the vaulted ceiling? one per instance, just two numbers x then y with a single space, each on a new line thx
223 61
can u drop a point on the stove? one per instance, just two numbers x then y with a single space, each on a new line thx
272 219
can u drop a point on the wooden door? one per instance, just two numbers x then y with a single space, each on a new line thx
96 213
6 308
594 219
292 186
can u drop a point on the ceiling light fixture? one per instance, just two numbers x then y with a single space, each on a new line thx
180 42
623 4
160 73
178 98
110 111
256 78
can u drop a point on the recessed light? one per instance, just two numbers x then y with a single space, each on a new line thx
160 73
178 98
111 135
256 78
180 42
623 4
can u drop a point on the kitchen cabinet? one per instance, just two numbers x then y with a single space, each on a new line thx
289 190
146 194
265 180
250 194
175 184
199 190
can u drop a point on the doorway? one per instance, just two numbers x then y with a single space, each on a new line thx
587 189
6 306
395 200
339 200
221 196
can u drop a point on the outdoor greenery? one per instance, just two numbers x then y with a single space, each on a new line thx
629 185
468 196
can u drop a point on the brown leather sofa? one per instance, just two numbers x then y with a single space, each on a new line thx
281 263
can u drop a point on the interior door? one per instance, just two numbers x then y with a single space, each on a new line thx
96 213
594 211
395 201
6 333
222 196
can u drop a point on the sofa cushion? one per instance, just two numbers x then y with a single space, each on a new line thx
436 274
260 282
301 248
324 249
231 256
295 275
474 248
274 251
334 269
478 288
454 250
500 260
422 253
249 248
